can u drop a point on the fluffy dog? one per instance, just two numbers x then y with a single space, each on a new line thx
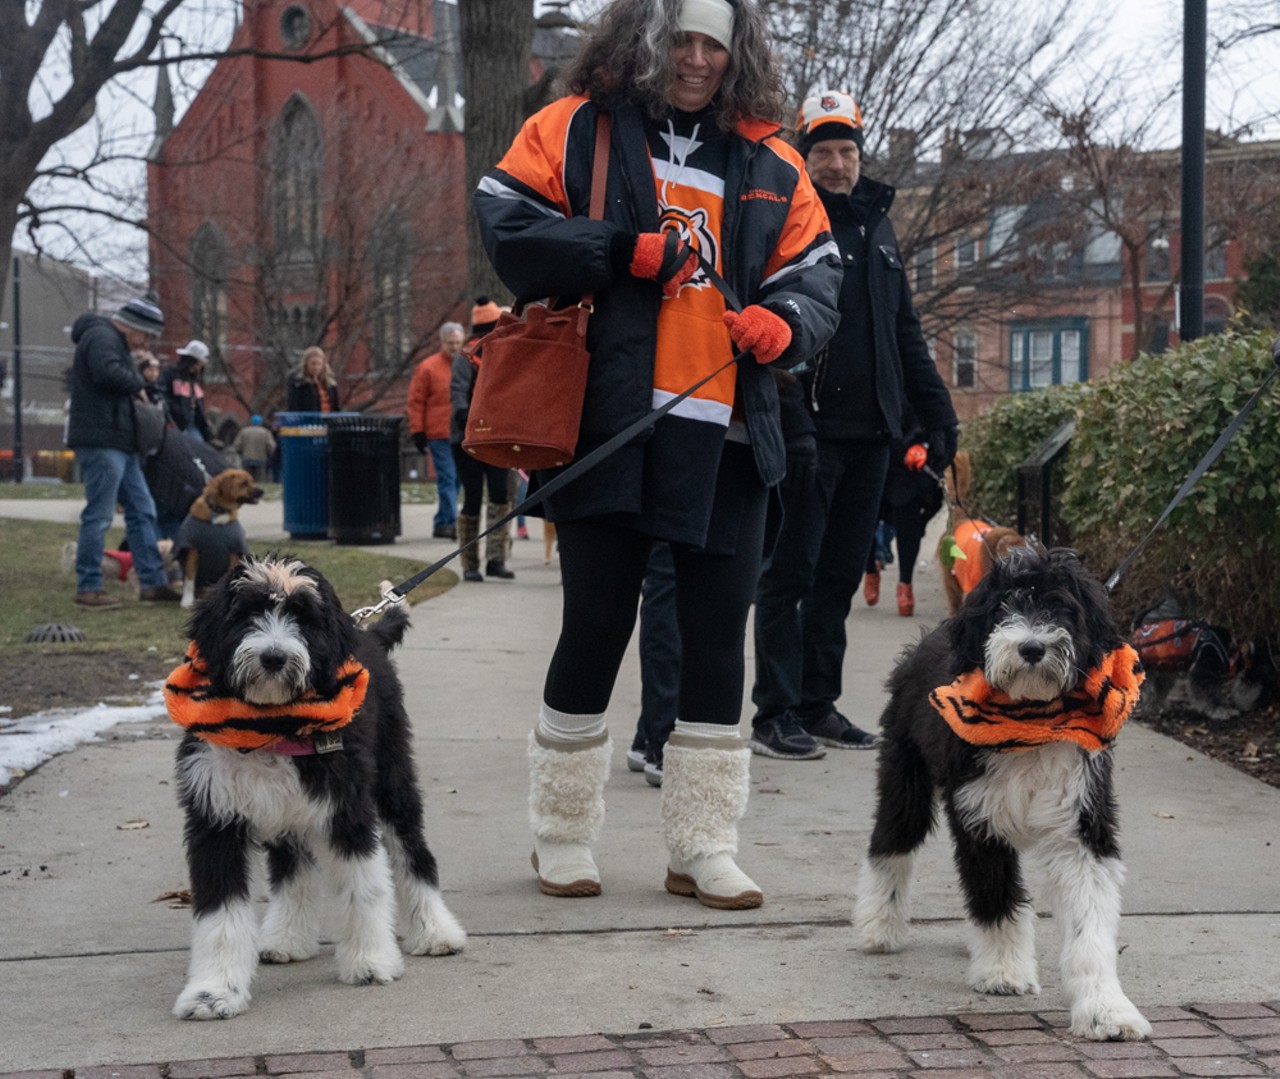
970 546
211 539
1034 681
298 741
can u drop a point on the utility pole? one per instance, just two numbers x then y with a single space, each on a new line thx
1191 277
17 370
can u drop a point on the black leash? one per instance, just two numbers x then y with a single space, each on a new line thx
1215 451
584 464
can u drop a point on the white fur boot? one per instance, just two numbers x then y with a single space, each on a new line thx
566 810
705 785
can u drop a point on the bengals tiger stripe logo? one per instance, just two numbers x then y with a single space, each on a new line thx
692 227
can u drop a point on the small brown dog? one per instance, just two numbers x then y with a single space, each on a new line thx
212 540
969 547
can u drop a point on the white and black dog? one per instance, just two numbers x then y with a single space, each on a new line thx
1034 629
271 642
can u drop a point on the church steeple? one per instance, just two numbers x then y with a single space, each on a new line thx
163 109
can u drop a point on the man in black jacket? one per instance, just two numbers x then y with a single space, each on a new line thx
104 382
853 397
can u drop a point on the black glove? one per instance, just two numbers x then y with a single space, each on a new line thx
420 441
942 447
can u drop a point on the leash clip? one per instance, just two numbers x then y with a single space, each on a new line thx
363 614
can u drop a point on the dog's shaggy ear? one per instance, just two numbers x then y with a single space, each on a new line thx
208 625
969 628
1098 624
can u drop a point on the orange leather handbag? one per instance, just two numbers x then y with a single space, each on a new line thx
532 370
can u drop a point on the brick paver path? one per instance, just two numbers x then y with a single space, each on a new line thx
1200 1040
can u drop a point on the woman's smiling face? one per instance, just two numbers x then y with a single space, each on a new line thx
701 64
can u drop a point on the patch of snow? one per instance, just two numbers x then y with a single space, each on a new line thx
28 742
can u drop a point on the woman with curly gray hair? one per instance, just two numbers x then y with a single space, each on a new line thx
698 176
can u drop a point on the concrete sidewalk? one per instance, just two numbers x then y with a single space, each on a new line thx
92 962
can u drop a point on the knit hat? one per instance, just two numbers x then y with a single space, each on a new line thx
255 419
711 17
484 312
197 350
829 114
142 314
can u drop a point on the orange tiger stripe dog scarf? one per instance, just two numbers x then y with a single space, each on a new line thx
1091 715
231 722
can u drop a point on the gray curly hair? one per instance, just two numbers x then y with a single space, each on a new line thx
626 58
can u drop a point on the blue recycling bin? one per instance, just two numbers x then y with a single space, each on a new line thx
304 473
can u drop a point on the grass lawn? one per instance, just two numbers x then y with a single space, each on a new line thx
36 589
410 493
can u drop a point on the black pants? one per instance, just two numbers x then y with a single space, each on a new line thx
828 525
659 654
473 475
602 566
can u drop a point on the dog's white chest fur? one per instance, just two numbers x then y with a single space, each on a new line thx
262 787
1025 796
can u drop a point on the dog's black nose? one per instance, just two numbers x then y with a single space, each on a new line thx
1031 651
273 660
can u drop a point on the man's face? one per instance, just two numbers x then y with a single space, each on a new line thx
834 164
452 342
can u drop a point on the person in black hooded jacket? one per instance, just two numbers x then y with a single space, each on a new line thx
855 392
100 429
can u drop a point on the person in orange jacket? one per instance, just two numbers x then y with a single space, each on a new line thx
429 413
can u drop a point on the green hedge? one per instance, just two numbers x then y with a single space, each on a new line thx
1002 438
1139 433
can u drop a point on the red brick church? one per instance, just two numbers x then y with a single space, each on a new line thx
298 203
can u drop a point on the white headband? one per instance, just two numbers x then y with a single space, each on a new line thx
711 17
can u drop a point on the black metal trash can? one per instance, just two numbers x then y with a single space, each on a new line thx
364 478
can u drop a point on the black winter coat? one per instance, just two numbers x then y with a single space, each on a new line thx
104 380
304 397
878 357
542 246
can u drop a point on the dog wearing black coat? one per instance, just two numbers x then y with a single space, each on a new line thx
272 760
1035 635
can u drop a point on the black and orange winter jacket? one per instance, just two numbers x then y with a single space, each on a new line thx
773 246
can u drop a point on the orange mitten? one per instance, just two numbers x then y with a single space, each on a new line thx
665 258
916 457
760 331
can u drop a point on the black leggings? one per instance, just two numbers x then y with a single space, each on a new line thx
473 475
602 565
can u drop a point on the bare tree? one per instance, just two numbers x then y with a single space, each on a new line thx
497 38
59 177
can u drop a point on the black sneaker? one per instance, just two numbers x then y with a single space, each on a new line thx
783 737
834 730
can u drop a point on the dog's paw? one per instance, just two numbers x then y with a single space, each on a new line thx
357 967
438 939
296 952
1004 984
1115 1020
434 930
211 1002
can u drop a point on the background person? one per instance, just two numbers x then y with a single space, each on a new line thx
313 388
855 393
911 498
430 410
149 369
182 384
476 476
255 446
694 102
104 381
